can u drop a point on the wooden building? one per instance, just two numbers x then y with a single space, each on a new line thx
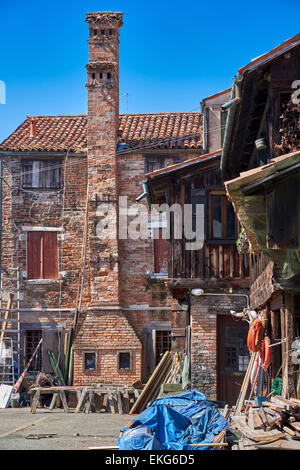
208 264
261 167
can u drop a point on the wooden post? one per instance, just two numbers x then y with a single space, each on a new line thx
275 351
64 401
284 353
53 401
35 401
81 400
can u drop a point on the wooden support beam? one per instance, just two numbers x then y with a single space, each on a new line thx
35 401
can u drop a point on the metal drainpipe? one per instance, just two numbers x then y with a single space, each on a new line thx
229 124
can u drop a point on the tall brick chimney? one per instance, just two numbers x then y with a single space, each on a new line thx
102 136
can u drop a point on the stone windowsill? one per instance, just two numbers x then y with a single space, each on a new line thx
159 275
42 281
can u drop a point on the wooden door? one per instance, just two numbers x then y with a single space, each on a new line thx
232 357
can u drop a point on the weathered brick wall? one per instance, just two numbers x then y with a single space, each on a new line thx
106 332
107 369
116 271
204 311
62 209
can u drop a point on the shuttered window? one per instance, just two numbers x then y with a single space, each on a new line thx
32 339
223 224
42 260
41 174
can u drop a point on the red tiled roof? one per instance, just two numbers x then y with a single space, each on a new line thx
185 163
136 131
288 42
217 94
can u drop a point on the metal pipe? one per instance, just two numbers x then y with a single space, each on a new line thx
145 193
229 124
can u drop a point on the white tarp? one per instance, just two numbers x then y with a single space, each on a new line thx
5 394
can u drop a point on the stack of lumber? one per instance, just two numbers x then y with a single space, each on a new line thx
274 425
152 387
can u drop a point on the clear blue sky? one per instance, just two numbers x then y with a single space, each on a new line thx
172 53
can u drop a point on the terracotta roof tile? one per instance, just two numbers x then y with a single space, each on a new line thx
136 131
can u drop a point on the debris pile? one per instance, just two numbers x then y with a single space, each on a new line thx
273 424
186 421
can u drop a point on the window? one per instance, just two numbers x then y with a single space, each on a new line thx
124 360
32 339
89 360
163 343
222 217
41 174
42 259
157 162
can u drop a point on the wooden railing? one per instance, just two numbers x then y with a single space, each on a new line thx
213 261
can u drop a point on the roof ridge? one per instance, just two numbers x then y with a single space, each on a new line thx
120 114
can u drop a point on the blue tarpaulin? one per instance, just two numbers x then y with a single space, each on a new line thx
174 422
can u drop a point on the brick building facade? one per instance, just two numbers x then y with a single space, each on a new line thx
61 174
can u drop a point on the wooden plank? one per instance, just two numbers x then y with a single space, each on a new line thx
155 377
221 266
35 401
88 404
245 384
255 435
53 401
50 262
21 428
81 400
231 262
126 401
64 401
103 448
34 255
211 444
112 403
120 403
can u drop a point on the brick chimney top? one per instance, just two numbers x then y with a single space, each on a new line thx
105 17
32 127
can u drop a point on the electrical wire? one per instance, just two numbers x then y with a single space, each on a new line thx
130 150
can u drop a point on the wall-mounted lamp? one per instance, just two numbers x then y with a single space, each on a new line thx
197 292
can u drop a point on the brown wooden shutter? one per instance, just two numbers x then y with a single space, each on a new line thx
50 264
160 254
34 255
42 259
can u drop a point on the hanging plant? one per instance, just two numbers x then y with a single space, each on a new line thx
242 242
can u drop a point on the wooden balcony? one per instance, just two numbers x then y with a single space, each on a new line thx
214 262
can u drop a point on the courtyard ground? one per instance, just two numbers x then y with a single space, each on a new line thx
73 431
